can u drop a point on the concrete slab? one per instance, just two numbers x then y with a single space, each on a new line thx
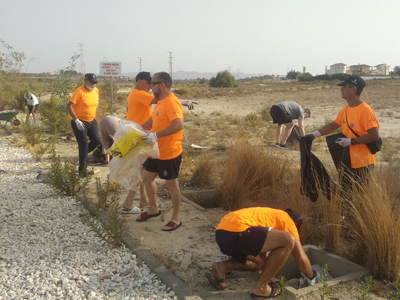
340 268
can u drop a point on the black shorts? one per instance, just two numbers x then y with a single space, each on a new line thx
34 108
166 169
240 244
279 116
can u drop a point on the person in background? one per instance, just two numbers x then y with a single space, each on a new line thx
82 108
166 125
283 113
33 104
360 117
247 235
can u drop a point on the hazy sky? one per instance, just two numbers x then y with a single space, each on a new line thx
250 36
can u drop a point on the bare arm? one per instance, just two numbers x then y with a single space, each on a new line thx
301 127
176 126
70 108
302 260
371 136
328 128
147 125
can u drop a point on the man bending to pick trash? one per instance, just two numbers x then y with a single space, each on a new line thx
247 235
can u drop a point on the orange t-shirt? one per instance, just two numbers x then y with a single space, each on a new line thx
167 110
85 103
360 118
139 106
240 220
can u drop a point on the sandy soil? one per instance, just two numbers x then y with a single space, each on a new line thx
196 236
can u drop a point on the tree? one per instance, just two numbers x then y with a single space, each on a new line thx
396 70
305 77
223 79
11 63
292 75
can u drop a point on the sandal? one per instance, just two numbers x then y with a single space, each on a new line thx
144 216
275 291
171 226
216 282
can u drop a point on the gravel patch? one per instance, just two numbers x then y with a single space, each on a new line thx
46 252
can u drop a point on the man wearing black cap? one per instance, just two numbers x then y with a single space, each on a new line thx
82 108
247 235
356 117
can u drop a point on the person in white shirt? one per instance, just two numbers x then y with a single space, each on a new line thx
33 104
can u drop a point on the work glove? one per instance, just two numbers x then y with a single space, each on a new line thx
313 280
150 138
188 103
79 124
311 136
344 142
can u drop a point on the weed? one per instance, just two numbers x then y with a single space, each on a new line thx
395 294
366 288
64 178
323 291
203 171
34 141
282 283
265 114
104 193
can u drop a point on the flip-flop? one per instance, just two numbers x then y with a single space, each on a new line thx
134 210
144 216
171 226
216 282
273 293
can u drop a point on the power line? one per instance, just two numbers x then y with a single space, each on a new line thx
170 63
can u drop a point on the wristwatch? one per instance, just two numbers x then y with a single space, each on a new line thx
353 142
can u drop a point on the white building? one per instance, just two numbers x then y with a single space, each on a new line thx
336 68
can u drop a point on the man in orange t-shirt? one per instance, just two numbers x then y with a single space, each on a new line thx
82 108
138 108
247 235
166 124
361 118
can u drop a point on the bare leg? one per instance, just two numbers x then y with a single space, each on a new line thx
144 200
34 116
278 133
175 192
281 244
107 157
128 200
253 264
288 130
151 190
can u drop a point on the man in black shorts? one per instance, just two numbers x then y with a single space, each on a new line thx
247 235
283 113
166 124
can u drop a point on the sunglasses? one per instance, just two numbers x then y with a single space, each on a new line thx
156 82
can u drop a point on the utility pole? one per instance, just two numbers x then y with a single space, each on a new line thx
140 64
31 59
81 62
170 63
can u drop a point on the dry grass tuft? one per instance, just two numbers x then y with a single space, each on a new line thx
253 177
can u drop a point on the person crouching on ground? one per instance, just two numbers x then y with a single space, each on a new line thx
247 235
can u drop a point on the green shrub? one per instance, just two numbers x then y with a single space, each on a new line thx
265 115
182 90
305 77
223 79
54 114
64 178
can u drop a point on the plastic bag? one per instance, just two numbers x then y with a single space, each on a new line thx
130 152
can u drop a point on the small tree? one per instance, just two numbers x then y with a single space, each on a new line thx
223 79
305 77
293 75
396 70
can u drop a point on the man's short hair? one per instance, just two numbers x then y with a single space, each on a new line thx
164 77
143 75
308 112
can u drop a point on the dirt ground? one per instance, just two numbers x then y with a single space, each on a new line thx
196 236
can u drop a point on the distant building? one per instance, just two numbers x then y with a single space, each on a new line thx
382 69
336 68
360 69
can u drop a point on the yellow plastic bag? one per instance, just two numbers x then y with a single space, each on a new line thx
132 141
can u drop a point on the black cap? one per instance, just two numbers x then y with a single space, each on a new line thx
91 77
354 80
295 217
143 75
